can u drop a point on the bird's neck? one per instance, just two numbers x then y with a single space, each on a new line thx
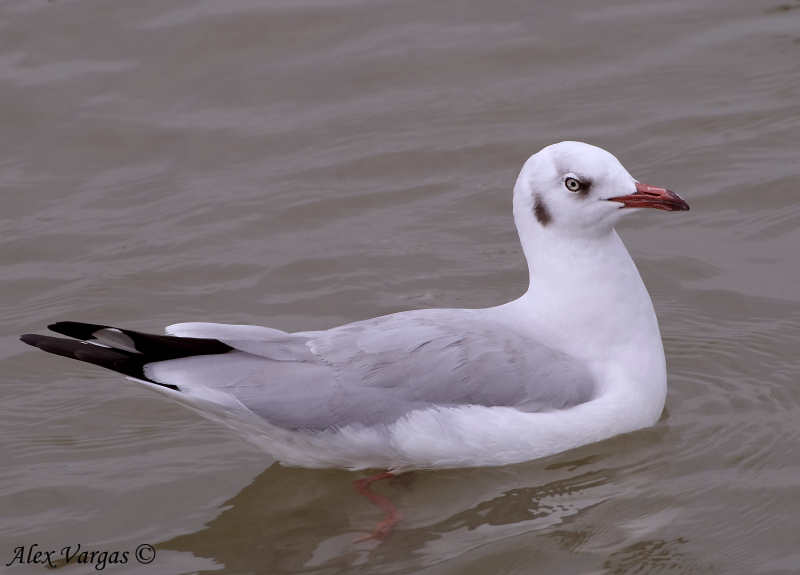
587 298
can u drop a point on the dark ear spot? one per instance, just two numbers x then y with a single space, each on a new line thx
586 186
540 211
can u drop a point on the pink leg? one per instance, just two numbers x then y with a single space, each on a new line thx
392 517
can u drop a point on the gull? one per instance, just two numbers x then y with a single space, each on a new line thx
577 359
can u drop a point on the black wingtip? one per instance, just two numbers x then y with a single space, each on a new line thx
32 339
113 359
147 348
76 329
154 347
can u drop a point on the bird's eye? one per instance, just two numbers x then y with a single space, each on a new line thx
573 185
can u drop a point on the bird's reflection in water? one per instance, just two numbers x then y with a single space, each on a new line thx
293 520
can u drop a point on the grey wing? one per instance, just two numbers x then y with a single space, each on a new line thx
374 372
448 358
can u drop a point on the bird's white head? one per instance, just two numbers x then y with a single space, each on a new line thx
577 190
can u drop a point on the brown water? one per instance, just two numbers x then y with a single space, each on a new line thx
301 164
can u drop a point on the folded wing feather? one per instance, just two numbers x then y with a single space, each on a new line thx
373 372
